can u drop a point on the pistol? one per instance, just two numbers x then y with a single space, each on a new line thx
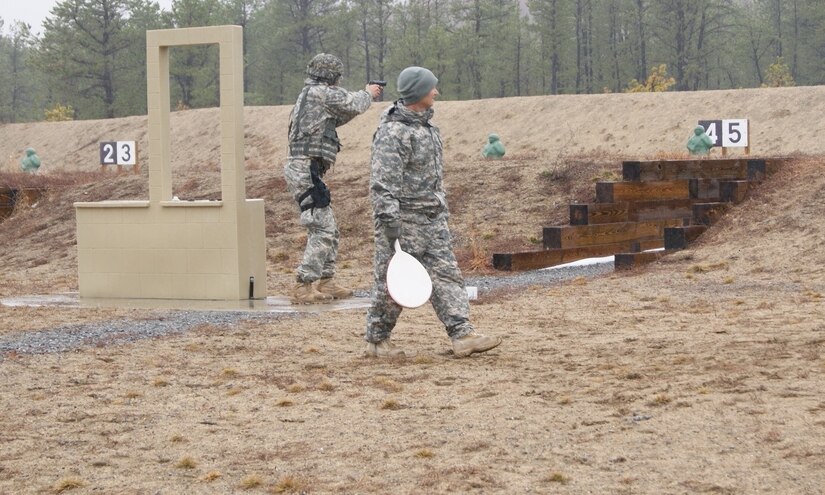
380 83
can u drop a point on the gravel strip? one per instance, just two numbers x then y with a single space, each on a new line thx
124 331
546 276
118 332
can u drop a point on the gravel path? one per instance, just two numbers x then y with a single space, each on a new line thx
124 331
550 276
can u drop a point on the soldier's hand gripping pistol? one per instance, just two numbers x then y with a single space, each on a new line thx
377 82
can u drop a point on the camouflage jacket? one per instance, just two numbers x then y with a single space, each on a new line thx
319 110
406 183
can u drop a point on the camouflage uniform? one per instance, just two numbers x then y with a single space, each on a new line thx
406 187
321 107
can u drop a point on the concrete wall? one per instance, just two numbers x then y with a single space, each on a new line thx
168 249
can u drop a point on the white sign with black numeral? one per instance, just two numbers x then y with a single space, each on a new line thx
728 133
118 153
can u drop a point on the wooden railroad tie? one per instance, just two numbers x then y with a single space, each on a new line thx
613 192
571 236
680 237
708 213
630 211
531 260
730 168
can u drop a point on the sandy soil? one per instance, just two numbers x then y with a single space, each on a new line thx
701 373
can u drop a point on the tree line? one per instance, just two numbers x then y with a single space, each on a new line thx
90 59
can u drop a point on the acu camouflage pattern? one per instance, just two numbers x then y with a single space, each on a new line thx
325 67
325 107
322 230
407 167
319 110
406 188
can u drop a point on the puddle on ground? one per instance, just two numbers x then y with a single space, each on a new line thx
272 304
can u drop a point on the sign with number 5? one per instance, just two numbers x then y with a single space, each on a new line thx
728 133
735 133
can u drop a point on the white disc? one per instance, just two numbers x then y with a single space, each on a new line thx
408 282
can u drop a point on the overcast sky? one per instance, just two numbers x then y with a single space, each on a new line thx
34 12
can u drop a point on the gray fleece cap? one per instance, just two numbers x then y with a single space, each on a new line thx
414 83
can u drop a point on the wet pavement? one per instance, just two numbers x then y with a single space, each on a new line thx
272 304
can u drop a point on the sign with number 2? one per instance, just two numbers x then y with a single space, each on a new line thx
117 153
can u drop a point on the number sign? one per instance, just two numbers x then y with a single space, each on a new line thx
729 133
713 128
118 153
735 133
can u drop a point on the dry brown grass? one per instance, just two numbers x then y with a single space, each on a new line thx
557 478
186 462
212 476
289 484
565 394
388 384
391 405
251 481
424 454
325 386
67 484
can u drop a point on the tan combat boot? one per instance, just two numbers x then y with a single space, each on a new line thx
328 286
472 343
384 349
305 293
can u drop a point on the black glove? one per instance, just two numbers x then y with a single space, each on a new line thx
392 231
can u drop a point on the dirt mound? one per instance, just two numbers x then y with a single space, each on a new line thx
557 147
782 121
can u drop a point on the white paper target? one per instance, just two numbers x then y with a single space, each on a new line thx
408 282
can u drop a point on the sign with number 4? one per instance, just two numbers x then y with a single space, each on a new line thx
118 153
729 133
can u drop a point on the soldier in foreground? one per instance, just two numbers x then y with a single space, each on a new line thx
409 204
313 145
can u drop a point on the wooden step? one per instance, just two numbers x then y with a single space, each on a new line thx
708 213
635 211
658 170
6 196
714 190
570 236
759 169
680 237
726 168
531 260
596 213
733 191
615 192
706 190
645 211
627 261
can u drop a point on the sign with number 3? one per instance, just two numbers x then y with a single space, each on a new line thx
118 153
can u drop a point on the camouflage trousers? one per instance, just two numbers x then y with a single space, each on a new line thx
431 244
322 231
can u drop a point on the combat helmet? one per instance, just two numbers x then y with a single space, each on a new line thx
325 67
